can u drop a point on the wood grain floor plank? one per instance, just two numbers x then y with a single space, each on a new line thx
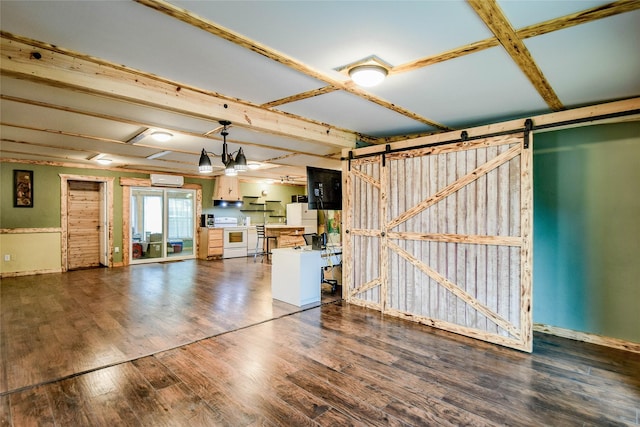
202 343
267 369
207 388
155 372
29 408
5 411
183 403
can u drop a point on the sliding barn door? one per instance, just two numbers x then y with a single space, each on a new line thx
442 236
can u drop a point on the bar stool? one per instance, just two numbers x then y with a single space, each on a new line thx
261 243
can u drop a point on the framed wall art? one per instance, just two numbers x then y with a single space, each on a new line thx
22 189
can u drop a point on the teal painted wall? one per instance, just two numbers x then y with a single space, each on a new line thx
587 230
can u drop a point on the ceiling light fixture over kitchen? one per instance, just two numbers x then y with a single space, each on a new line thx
231 166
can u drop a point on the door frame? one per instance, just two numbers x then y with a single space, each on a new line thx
127 184
165 224
106 216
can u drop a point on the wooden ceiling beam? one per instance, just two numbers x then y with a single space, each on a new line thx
588 15
122 120
544 122
252 45
60 68
494 18
300 96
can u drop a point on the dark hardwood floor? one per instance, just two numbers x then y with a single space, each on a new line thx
202 343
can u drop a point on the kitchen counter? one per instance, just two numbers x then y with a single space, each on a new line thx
286 236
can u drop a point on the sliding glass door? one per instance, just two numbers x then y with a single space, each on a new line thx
163 224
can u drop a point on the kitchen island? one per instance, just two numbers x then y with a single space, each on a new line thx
295 276
285 236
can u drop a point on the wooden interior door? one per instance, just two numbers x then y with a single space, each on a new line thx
442 236
84 226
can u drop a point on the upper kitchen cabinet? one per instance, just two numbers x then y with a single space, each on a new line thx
227 188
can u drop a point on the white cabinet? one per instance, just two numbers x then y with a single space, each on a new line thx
299 214
295 276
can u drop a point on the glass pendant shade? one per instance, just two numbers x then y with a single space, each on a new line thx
205 163
241 161
229 168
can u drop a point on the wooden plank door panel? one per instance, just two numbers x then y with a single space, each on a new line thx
362 274
83 224
453 229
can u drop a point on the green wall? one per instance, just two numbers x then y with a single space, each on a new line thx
45 212
275 191
587 230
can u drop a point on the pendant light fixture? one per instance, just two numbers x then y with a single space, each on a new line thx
231 166
205 163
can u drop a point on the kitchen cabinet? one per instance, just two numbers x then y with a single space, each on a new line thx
210 243
227 188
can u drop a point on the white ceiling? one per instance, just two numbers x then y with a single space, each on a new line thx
246 54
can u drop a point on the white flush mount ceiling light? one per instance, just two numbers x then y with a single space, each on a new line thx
368 75
367 72
161 136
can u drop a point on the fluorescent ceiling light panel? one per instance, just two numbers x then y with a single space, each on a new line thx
156 155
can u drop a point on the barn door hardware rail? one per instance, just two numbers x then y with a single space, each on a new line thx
529 126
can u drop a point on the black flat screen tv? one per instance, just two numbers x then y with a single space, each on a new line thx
324 187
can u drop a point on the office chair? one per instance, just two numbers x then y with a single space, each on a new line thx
308 238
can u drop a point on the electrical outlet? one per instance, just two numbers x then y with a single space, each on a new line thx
7 257
116 249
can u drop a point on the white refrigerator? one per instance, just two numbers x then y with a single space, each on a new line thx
299 215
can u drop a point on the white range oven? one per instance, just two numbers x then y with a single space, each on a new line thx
234 237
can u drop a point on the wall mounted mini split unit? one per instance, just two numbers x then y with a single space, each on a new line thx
166 180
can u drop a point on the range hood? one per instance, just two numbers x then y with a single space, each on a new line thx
227 203
227 192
